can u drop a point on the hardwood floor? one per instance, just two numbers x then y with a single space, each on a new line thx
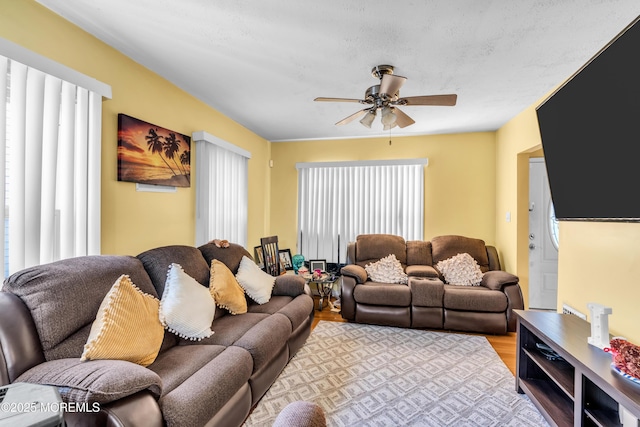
504 345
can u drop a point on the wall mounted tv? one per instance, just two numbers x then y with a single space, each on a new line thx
590 129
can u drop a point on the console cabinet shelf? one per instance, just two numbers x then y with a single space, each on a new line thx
578 388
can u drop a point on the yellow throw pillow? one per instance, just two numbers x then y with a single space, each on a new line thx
127 326
225 289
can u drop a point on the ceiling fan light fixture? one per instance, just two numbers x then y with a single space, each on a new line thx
368 118
388 116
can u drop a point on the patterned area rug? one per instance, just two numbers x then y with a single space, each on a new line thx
363 375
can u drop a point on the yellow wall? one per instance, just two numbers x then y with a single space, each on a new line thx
135 221
598 262
471 182
459 180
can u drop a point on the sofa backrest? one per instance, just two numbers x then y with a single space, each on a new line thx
443 247
230 256
157 261
63 297
419 252
372 247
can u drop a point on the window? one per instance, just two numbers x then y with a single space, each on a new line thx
337 201
221 190
50 134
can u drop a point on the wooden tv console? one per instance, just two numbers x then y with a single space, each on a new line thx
581 389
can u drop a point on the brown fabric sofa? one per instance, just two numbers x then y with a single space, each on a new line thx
427 301
46 314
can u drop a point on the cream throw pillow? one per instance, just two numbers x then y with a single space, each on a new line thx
386 270
225 289
255 282
461 269
186 308
126 326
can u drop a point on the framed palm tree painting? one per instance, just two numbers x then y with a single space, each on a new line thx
150 154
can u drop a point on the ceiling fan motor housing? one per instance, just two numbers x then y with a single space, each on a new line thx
380 70
386 96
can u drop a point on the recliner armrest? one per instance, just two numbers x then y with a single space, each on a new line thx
20 348
355 271
289 285
497 279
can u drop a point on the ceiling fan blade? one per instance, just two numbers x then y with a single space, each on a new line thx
402 119
351 117
445 100
338 100
391 84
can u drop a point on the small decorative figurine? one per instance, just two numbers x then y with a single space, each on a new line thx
297 260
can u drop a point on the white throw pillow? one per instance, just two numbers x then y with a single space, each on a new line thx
386 270
255 282
186 308
461 269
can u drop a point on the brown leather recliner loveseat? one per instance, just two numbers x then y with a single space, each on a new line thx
427 301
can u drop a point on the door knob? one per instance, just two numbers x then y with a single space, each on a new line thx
532 246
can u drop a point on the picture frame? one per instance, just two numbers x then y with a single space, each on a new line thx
257 255
152 155
285 259
317 264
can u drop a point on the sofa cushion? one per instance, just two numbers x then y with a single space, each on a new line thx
177 364
225 289
199 397
229 329
186 308
372 247
46 291
273 306
255 282
266 339
99 381
230 256
157 261
386 270
443 247
374 293
298 310
461 269
126 326
476 298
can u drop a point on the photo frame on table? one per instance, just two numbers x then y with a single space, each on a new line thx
257 255
317 264
285 259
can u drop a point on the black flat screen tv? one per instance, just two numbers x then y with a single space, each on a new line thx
590 129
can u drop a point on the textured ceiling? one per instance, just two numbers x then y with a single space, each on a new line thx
262 63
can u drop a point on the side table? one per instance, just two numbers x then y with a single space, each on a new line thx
26 404
324 286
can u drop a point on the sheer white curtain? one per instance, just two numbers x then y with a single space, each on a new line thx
221 190
50 157
339 200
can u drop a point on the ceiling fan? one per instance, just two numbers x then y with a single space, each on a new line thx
386 97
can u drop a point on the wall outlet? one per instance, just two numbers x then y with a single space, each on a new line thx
567 309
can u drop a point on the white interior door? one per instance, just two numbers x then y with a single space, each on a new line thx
543 240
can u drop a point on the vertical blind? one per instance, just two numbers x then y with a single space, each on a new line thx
337 201
221 190
50 156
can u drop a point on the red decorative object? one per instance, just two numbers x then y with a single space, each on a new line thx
626 356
